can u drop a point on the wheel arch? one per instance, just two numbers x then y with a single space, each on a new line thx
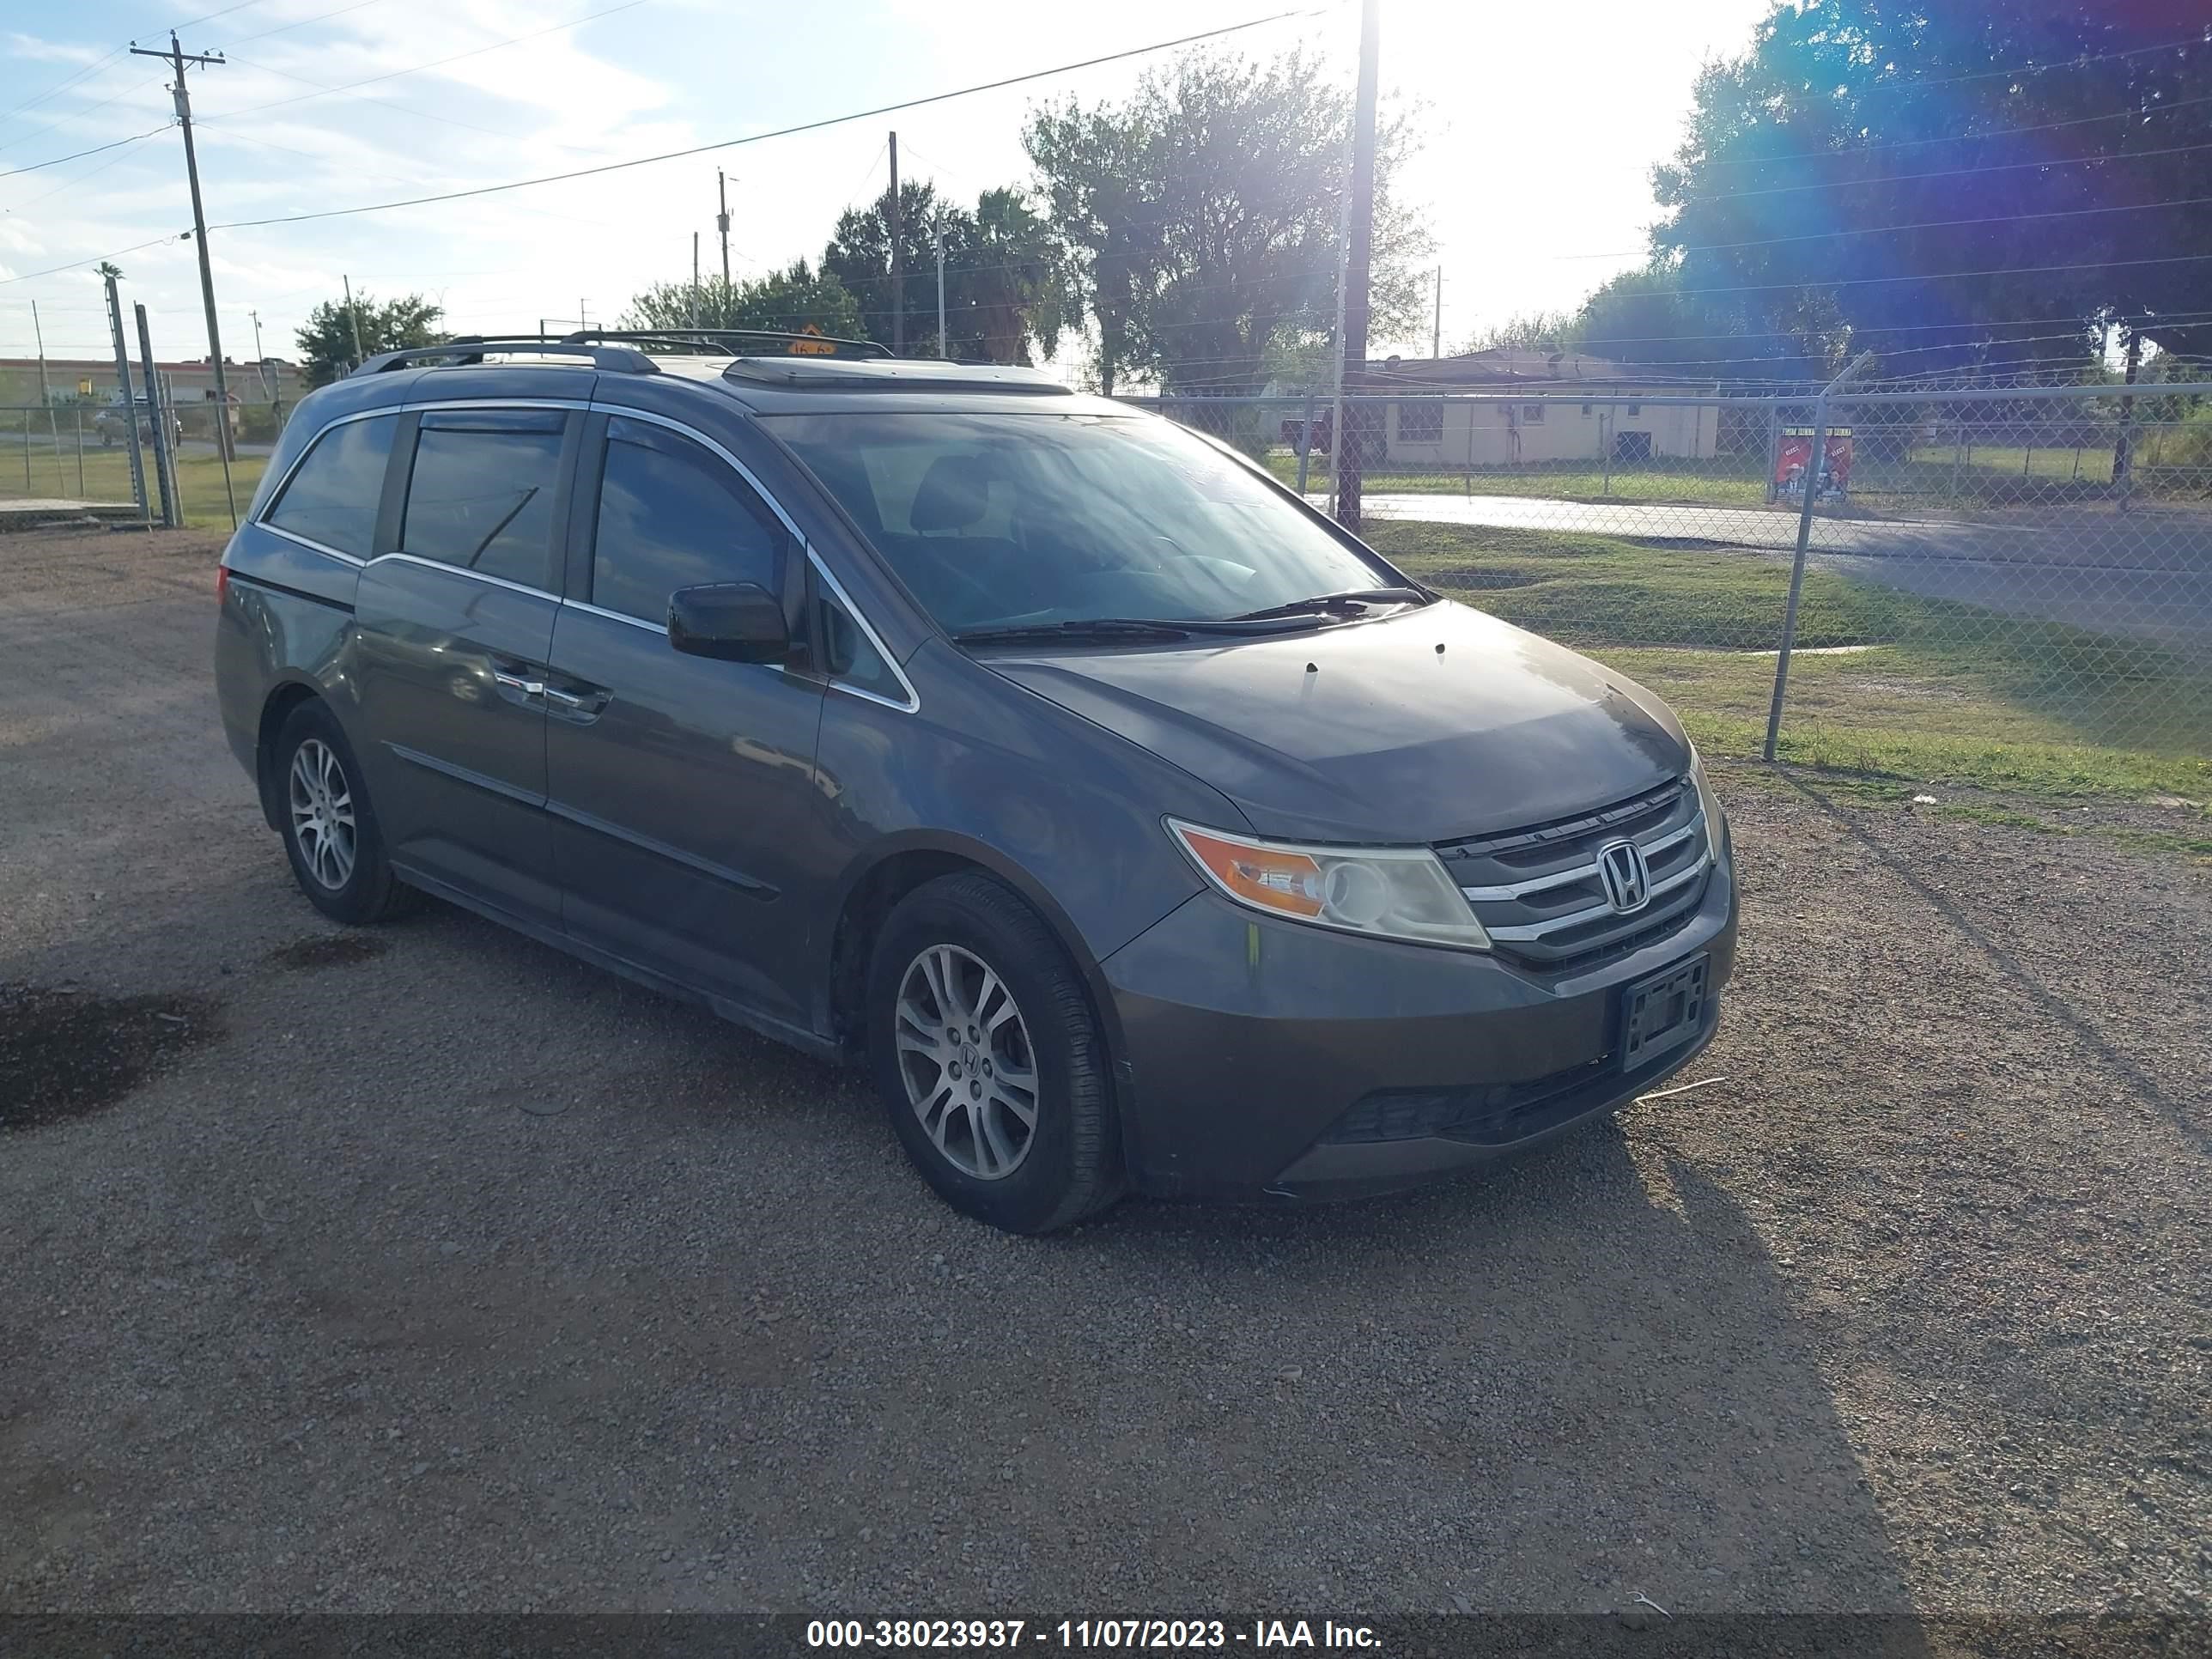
872 888
276 707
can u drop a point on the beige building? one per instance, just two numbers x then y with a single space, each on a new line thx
76 379
1537 406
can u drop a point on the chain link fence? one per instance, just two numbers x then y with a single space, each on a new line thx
81 453
2011 585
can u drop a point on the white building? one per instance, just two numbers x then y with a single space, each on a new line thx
1535 406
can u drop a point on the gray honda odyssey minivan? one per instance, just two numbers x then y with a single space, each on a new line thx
1136 826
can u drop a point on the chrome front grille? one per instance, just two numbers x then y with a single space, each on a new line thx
1542 895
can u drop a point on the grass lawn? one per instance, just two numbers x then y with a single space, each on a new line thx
1933 691
1728 481
106 477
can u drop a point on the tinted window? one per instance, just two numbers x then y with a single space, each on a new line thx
853 660
672 515
996 520
333 497
482 493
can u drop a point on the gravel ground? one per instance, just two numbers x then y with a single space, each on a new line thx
424 1268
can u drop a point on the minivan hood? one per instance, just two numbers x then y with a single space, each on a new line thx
1424 725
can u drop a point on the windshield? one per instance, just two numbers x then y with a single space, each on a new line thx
998 521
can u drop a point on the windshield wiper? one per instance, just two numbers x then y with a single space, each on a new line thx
1089 628
1338 604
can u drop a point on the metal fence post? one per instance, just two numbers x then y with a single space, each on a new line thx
1305 441
79 419
1773 449
1605 443
1815 465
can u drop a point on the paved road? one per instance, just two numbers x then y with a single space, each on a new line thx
2147 573
425 1267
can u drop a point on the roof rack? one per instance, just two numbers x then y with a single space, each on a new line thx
796 343
471 348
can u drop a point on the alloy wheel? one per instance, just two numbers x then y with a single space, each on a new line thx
965 1057
322 813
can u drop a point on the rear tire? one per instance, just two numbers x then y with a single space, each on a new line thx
328 827
989 1061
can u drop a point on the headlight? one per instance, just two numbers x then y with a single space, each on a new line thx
1710 803
1390 892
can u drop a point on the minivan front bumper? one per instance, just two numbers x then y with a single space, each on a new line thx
1265 1057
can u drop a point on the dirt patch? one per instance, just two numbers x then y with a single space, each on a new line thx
66 1053
329 950
1481 576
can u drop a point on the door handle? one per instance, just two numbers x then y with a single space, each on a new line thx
519 683
583 704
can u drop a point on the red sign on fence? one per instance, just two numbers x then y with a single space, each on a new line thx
1792 454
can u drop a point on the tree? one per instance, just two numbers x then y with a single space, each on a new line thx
1198 222
792 298
1000 289
327 342
1953 184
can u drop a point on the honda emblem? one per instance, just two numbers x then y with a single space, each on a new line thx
1627 878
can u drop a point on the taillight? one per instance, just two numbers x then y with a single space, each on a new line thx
221 583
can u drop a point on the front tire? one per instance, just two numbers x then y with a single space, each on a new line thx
989 1060
328 827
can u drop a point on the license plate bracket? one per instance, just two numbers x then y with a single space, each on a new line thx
1664 1011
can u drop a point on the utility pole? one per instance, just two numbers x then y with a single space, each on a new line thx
353 318
695 279
2124 445
722 220
37 329
158 418
898 265
271 383
46 398
1436 328
943 354
1359 249
176 58
129 404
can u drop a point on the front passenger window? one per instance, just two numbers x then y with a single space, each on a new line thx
673 514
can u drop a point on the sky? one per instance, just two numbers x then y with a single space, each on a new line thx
1533 175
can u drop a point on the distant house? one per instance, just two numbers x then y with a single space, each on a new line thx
190 382
1577 409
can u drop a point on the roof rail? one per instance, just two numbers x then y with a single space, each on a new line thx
796 343
471 348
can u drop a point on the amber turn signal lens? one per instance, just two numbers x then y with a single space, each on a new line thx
1289 882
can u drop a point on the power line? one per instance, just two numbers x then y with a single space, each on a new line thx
440 63
1881 230
124 155
782 132
91 69
284 28
2197 39
322 86
78 115
97 259
116 144
2138 113
1943 172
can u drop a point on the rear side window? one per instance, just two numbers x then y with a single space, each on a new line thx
334 495
481 495
673 514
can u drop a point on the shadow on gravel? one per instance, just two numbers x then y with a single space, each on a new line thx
1582 1371
67 1052
2140 1082
329 950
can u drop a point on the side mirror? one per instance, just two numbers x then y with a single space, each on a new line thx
734 621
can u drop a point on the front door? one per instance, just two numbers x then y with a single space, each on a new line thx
680 789
453 635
